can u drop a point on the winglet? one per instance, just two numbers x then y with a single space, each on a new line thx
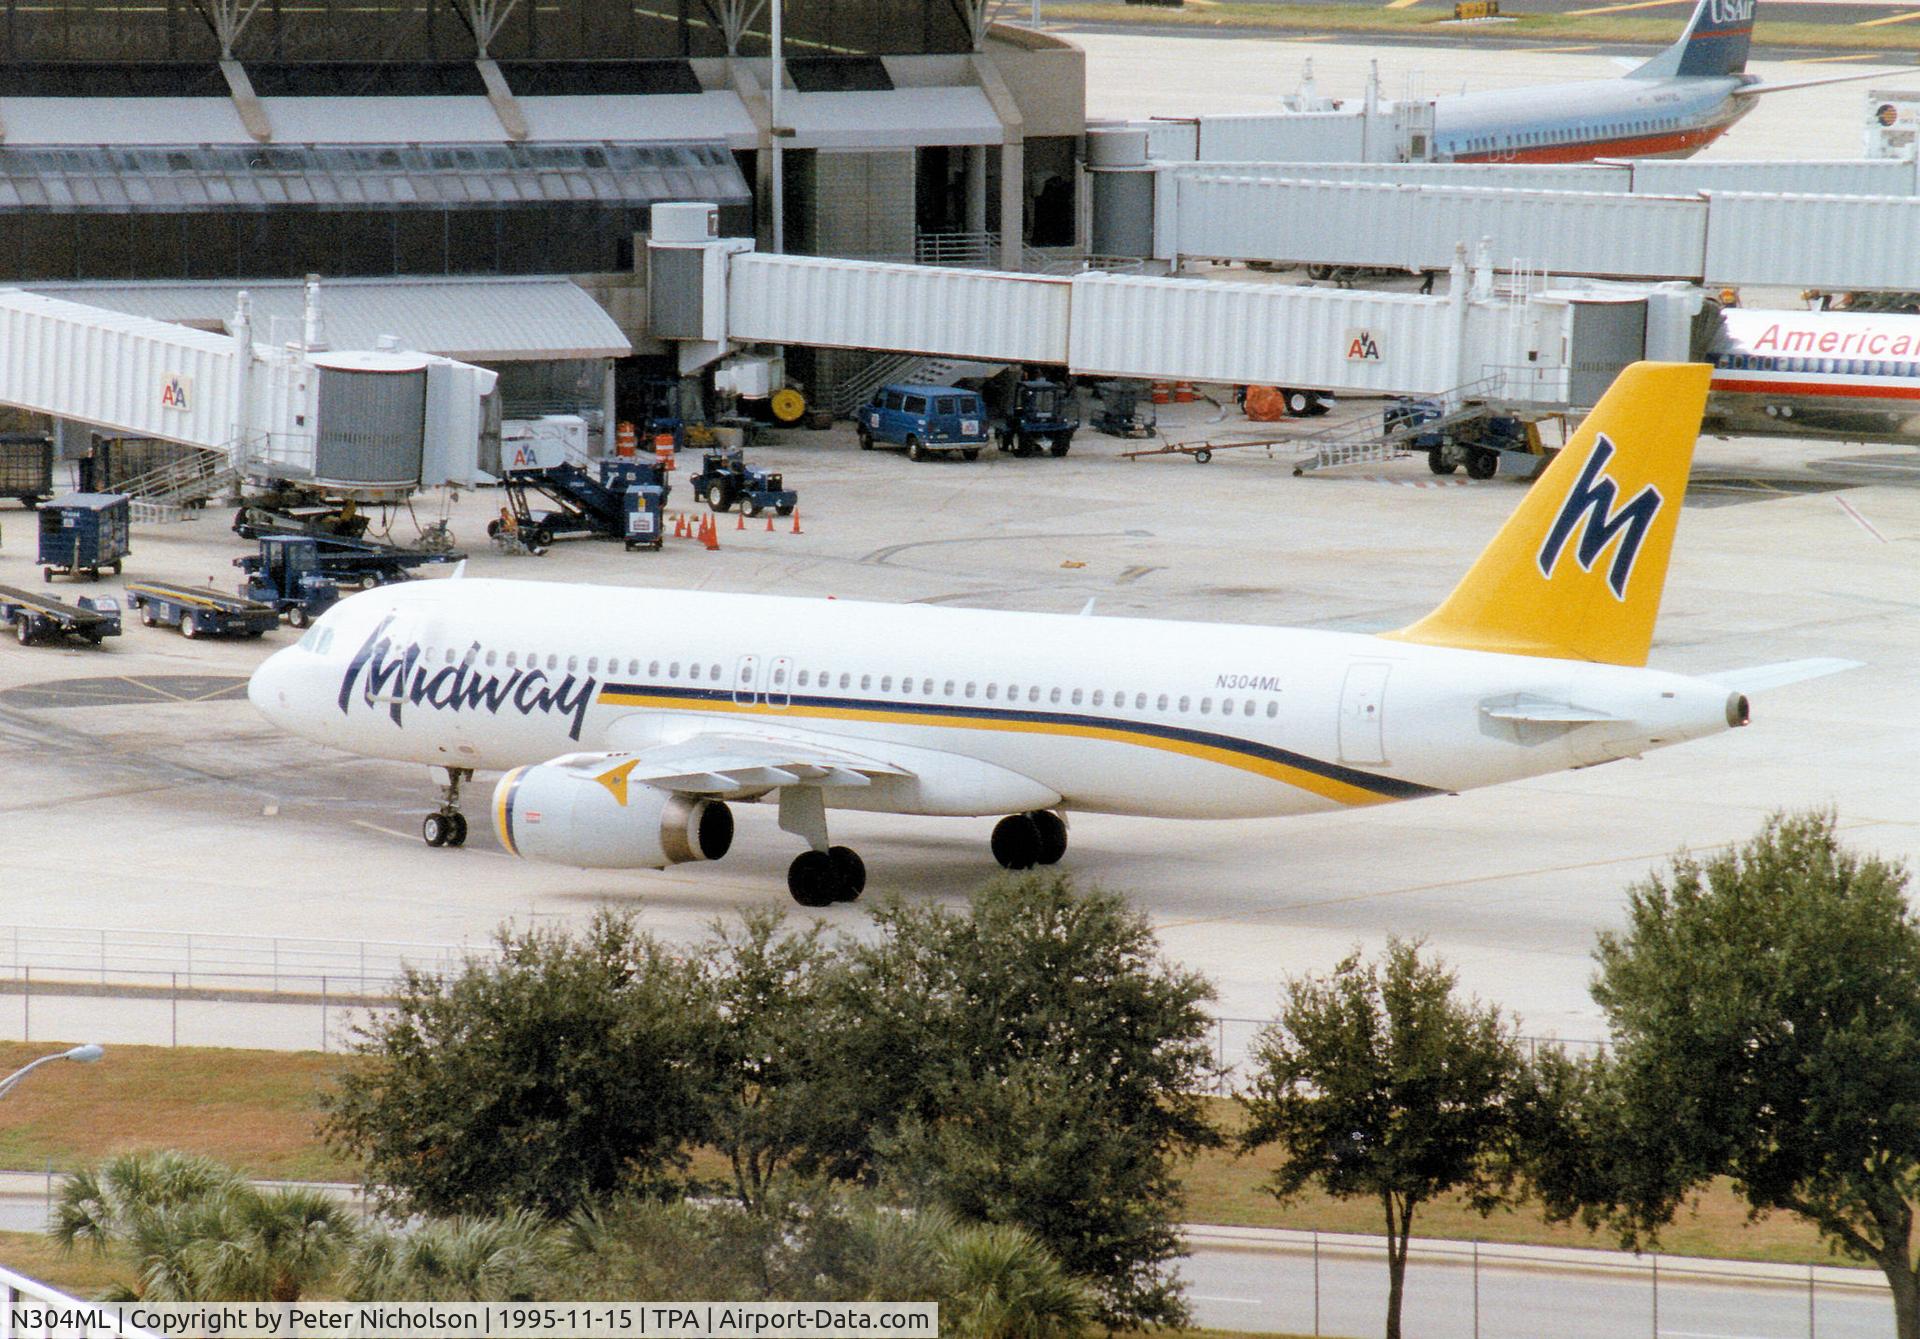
1577 571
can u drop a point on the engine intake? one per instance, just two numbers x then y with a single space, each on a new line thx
567 814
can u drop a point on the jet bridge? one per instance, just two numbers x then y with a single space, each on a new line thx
1795 225
373 424
1554 349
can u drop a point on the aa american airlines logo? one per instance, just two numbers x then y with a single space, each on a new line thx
397 678
1589 509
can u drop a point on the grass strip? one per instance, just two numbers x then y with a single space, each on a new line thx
1659 30
257 1111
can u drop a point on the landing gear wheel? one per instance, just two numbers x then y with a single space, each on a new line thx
1052 831
447 826
1438 462
1016 842
813 880
850 869
1482 464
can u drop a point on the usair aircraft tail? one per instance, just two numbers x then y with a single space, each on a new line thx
1578 569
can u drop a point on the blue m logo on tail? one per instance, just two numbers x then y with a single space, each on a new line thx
1591 501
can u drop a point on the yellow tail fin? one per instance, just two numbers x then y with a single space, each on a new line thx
1577 570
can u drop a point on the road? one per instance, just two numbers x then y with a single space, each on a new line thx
1238 1289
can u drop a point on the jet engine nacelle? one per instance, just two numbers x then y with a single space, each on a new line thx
582 811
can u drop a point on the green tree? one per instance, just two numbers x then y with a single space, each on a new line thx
1765 1013
567 1070
1036 1061
194 1230
1377 1082
774 1101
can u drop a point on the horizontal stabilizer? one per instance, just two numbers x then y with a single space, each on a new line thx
1759 678
1755 90
1541 711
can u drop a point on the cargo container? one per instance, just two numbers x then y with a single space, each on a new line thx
83 532
26 467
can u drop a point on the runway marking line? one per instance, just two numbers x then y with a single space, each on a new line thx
1854 514
1891 18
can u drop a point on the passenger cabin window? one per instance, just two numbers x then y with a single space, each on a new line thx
946 404
1077 696
970 687
1184 703
916 404
673 670
893 400
1273 709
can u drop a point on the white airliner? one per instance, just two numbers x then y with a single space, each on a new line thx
1850 375
627 719
1672 106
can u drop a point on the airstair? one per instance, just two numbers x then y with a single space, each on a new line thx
170 492
1370 440
902 369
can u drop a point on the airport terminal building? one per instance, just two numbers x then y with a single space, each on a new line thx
188 148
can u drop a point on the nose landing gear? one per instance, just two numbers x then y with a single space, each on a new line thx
1038 837
447 826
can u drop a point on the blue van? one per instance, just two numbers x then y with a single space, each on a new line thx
924 419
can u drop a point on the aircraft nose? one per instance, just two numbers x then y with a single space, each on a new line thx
267 688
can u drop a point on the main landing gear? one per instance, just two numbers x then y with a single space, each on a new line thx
825 874
1022 841
447 826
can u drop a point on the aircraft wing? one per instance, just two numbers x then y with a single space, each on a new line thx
721 764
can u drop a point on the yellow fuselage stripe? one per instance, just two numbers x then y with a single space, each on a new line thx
1326 787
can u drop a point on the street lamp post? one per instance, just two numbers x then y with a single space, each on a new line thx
85 1054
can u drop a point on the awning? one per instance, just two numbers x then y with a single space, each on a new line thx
219 178
474 320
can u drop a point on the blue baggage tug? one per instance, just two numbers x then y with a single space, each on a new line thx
84 532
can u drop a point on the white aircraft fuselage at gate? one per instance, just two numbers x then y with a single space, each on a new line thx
626 719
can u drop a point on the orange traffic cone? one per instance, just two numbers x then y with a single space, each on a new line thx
740 519
769 522
712 539
679 526
796 520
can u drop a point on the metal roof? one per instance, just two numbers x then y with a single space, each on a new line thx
474 320
207 178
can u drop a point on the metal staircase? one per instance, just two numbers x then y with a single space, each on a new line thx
1369 440
169 492
905 368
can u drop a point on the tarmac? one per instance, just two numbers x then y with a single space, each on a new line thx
185 811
